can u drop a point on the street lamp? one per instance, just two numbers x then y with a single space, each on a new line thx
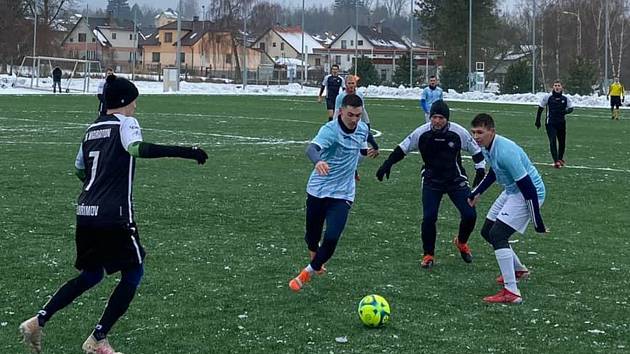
579 35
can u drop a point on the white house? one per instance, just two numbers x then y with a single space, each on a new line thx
283 43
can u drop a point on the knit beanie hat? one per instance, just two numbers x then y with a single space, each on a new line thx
119 92
440 107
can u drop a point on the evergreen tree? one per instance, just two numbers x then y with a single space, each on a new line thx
445 23
401 75
582 76
454 74
119 9
366 71
518 78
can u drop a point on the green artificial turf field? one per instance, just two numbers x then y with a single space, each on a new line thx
224 239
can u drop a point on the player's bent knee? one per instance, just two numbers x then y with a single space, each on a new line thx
89 278
133 275
498 238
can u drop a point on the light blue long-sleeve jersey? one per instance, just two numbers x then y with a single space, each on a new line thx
510 164
341 152
429 96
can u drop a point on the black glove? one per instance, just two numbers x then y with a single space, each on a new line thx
537 124
199 155
480 173
384 170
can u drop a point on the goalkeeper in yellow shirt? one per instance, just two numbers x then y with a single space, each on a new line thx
616 93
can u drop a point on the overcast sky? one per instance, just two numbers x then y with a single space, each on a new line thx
507 4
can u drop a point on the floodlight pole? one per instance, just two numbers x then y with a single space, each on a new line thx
34 41
85 68
411 47
470 45
244 46
135 45
303 54
178 58
533 46
605 86
356 36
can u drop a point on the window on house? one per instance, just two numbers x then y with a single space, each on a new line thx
93 39
168 37
262 46
273 44
383 74
348 57
338 59
318 62
352 42
360 42
155 57
113 35
82 37
182 57
282 46
71 39
228 58
131 36
344 44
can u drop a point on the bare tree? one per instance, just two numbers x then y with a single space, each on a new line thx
395 7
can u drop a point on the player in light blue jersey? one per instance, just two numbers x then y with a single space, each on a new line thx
429 95
335 152
520 201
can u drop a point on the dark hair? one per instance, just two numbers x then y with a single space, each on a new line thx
352 101
557 81
432 77
483 120
335 66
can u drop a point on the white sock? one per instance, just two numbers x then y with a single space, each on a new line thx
518 266
309 269
505 258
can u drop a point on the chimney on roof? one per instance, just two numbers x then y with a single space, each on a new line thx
379 27
195 18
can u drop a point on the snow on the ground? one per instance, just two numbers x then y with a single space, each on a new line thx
190 88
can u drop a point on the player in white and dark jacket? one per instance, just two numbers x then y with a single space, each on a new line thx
107 239
333 84
516 206
558 106
102 109
440 144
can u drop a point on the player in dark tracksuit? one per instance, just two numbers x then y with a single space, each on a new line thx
558 106
56 74
333 83
102 109
440 143
106 234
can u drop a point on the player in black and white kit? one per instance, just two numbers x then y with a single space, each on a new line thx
333 83
99 93
106 237
440 143
558 106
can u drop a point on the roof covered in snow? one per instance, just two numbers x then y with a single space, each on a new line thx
293 36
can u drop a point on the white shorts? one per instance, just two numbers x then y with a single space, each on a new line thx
512 210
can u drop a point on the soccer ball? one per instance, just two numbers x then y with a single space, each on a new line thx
374 311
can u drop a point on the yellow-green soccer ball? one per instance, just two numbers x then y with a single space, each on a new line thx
374 311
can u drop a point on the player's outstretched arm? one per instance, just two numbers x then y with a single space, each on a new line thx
386 168
150 151
487 181
527 188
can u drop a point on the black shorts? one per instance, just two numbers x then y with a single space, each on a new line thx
330 103
615 101
113 247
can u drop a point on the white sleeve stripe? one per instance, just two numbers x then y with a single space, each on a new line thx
530 206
